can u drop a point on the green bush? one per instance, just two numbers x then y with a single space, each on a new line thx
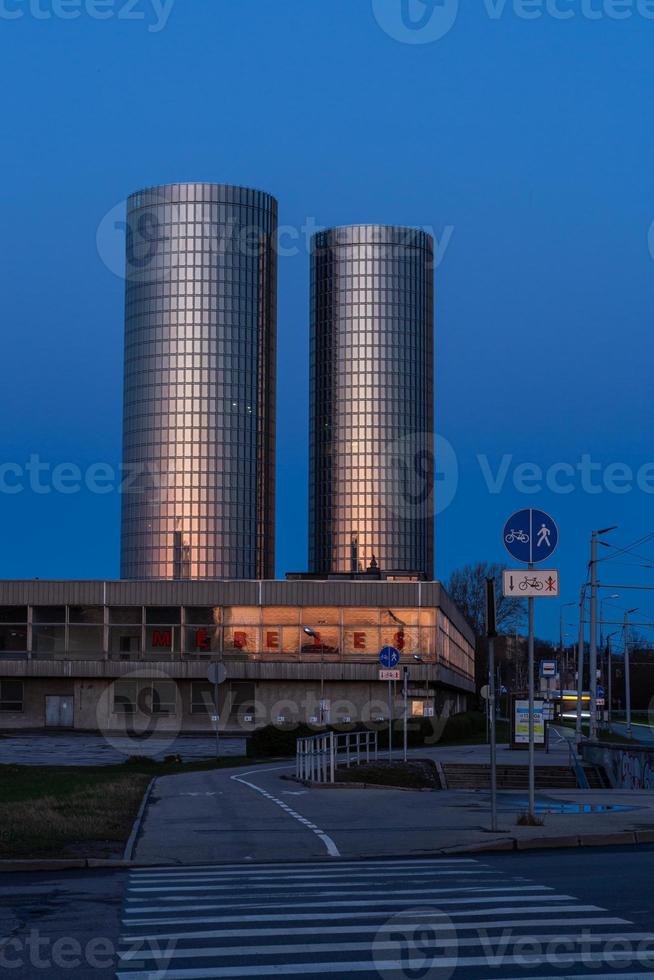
279 740
466 725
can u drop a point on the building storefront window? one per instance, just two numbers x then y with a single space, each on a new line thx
11 695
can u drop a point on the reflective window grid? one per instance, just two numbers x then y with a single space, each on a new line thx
372 400
199 399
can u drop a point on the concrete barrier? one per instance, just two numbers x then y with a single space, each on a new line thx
626 766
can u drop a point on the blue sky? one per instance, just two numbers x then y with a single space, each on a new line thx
526 145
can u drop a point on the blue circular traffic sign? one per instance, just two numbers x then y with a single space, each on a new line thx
530 535
389 657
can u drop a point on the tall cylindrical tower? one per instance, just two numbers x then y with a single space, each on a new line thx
372 400
199 402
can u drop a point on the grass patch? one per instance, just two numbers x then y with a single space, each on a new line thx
85 811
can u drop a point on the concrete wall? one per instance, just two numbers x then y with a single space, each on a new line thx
626 767
293 700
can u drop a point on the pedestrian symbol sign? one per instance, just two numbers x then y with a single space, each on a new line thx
389 657
531 536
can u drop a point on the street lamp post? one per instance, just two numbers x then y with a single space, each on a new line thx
561 633
580 663
606 598
609 652
627 671
592 727
321 709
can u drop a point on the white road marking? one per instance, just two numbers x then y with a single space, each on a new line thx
218 952
364 928
361 966
332 850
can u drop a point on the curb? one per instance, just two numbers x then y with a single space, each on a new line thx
136 827
632 838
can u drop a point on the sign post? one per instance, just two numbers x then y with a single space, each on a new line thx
216 675
531 536
406 709
389 658
491 633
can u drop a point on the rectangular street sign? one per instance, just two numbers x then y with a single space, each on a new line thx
535 583
390 675
548 668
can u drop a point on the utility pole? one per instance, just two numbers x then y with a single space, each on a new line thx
580 664
491 633
627 672
592 726
609 650
405 692
592 723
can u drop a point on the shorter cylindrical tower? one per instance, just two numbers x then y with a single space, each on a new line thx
372 400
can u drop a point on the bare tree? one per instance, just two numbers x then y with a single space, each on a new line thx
467 587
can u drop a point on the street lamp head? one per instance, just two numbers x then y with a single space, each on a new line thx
309 631
605 530
418 659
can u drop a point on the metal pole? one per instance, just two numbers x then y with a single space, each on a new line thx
610 691
592 727
532 770
580 664
406 710
215 703
390 723
493 735
627 675
322 683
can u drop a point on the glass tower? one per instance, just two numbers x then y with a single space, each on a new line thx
199 398
372 401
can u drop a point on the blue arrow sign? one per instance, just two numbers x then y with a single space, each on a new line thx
389 657
531 535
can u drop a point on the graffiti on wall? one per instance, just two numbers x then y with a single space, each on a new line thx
633 770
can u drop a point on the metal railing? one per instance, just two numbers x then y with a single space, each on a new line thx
317 757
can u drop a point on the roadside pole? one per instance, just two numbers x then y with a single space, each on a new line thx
610 659
592 654
390 722
215 705
491 633
406 709
580 665
531 536
627 675
532 757
216 675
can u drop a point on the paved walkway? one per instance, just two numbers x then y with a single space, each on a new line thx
256 815
98 750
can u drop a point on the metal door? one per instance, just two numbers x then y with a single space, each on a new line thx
59 712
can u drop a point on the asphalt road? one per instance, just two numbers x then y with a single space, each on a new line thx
556 914
60 925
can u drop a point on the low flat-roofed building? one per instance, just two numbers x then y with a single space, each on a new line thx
120 655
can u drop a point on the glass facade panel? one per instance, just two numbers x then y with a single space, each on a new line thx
86 639
199 393
86 614
162 639
125 639
13 614
202 639
49 614
125 614
49 639
13 638
371 400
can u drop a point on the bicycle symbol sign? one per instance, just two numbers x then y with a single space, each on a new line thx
531 535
